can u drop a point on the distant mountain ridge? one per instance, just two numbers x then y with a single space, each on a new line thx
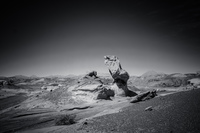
148 79
20 77
152 74
159 79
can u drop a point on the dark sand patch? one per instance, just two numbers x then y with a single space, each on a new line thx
20 119
12 101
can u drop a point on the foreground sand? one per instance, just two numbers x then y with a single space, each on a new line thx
175 113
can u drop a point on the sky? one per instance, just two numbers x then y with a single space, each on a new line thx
72 37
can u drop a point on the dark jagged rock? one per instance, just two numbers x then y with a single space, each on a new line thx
91 74
144 96
105 93
119 75
3 83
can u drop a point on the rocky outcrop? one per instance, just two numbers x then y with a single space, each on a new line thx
91 74
119 75
3 83
144 96
89 89
89 93
193 83
105 92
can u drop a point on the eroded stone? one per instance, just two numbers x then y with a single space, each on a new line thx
119 75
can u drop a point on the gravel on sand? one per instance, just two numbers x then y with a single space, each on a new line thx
175 113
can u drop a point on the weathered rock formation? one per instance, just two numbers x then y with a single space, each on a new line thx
105 92
90 88
119 75
91 74
144 96
3 83
193 83
89 93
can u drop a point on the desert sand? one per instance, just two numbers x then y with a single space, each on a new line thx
152 102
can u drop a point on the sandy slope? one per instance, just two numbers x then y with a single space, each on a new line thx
179 112
11 100
176 113
18 119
